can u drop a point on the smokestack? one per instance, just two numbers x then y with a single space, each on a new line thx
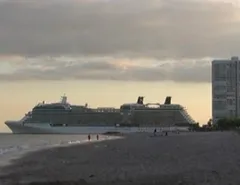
140 100
168 100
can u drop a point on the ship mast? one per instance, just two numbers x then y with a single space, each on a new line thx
64 99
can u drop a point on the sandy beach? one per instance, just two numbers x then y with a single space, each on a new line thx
211 158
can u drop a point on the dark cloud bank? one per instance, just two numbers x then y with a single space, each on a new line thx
184 31
105 69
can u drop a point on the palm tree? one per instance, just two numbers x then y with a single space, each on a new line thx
209 123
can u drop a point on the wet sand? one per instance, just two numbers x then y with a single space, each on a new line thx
185 158
13 146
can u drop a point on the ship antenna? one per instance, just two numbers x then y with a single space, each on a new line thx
64 99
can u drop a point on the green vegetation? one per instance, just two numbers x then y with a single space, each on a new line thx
194 127
228 123
197 127
222 124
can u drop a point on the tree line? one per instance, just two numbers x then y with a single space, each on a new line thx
228 123
221 124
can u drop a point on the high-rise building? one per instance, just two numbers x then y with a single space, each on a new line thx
225 88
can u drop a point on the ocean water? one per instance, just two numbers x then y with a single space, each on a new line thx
12 146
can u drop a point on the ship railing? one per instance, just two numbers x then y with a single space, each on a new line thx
187 116
186 112
190 118
106 110
24 119
172 106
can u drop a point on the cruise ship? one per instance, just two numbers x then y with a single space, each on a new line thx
64 118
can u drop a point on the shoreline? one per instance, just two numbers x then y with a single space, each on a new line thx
188 158
7 155
20 129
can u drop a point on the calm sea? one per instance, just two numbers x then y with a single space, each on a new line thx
14 145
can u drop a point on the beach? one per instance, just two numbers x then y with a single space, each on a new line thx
14 146
185 158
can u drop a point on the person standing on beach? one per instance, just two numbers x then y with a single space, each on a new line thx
97 137
155 131
89 137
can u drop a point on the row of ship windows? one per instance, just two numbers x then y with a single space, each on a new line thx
48 109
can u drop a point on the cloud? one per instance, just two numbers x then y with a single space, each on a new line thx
127 28
108 68
104 32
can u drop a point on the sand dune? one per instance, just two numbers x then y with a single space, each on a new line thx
186 158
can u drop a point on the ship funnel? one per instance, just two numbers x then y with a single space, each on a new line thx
140 100
168 100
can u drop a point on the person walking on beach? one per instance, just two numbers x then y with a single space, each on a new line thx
89 137
97 137
155 131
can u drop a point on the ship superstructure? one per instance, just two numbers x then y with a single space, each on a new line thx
155 114
62 117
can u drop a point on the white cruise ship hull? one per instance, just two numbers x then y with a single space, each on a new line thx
18 127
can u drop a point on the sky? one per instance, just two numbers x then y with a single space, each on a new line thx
134 46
